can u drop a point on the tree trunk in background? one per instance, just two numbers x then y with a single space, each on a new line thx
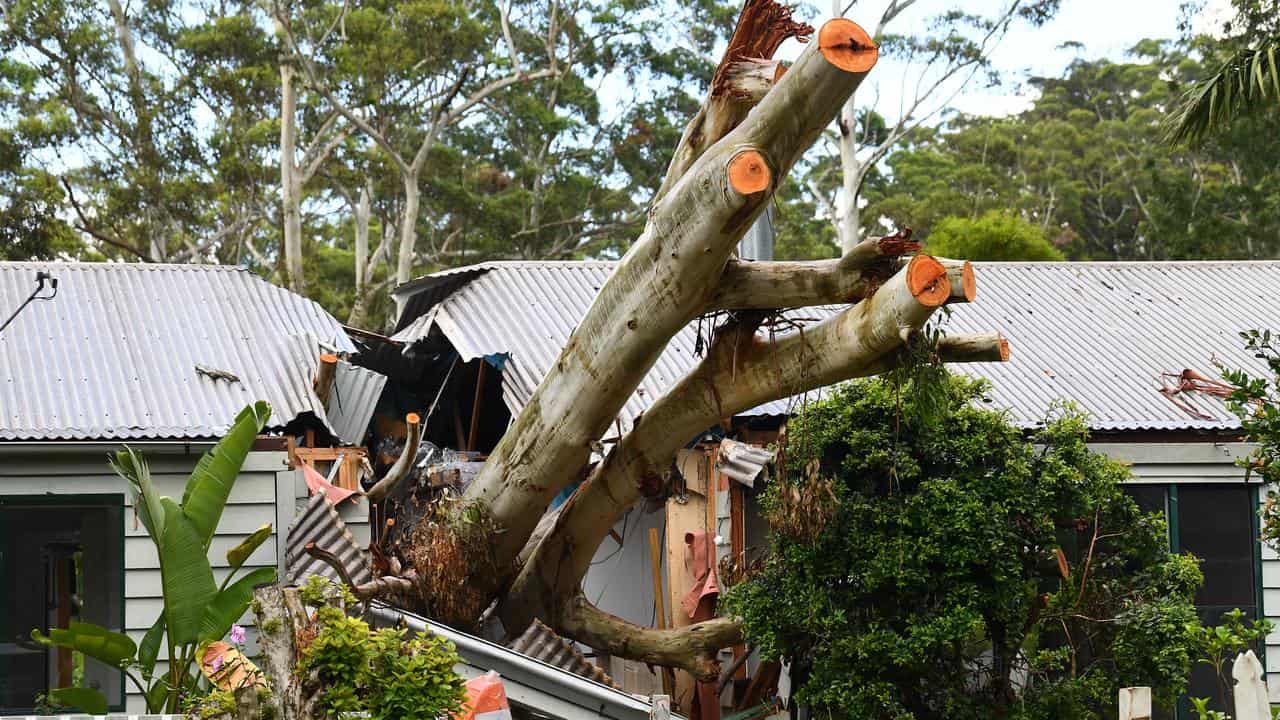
290 182
408 228
360 305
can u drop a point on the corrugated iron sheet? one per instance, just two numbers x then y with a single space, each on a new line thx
114 354
320 523
1099 334
742 462
542 643
352 401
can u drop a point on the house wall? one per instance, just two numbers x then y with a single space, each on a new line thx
267 491
1210 463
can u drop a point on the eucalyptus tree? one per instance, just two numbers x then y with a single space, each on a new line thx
497 545
145 118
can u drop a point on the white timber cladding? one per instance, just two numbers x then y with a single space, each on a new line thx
267 491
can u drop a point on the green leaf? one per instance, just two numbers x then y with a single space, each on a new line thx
146 502
87 700
210 483
157 697
238 554
149 650
229 604
185 575
99 643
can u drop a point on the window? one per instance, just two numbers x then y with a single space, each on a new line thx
61 559
1216 524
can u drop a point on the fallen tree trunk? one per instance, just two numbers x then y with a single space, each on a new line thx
741 371
755 124
663 282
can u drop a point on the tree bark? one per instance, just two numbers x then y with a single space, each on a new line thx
741 371
744 76
691 648
363 268
290 183
770 285
408 227
660 285
281 618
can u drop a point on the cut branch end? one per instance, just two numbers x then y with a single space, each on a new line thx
847 46
749 173
964 285
927 280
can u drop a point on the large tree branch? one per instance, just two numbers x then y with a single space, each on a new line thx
690 648
741 371
767 285
662 283
738 84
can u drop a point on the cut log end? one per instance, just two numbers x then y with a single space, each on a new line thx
964 285
412 419
1004 349
749 173
927 280
846 45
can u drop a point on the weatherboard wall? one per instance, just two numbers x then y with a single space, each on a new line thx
267 491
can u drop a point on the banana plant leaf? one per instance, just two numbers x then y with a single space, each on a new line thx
210 483
157 697
146 501
185 575
149 650
231 602
238 554
86 700
99 643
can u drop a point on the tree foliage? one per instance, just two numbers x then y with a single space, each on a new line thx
943 566
1257 401
1087 163
993 236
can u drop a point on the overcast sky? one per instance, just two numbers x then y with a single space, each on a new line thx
1106 28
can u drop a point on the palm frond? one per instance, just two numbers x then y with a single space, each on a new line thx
1245 84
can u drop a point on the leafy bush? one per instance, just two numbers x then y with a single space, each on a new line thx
381 672
963 571
1257 401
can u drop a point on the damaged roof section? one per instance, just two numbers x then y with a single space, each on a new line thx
148 351
1100 334
527 311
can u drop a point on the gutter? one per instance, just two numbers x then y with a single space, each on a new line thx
159 447
529 682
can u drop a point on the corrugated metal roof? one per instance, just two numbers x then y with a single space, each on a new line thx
352 401
528 310
542 643
113 356
1099 334
320 523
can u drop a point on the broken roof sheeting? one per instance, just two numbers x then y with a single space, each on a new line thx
113 355
528 310
742 462
352 401
1099 334
320 523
